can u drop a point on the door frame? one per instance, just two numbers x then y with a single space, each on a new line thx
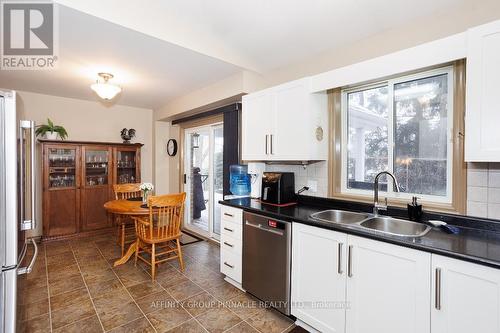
186 128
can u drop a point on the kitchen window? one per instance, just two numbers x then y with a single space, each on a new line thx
404 125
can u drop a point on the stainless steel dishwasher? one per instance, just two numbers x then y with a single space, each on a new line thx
267 260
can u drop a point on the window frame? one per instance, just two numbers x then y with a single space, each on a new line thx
390 83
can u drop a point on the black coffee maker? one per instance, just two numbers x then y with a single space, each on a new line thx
278 187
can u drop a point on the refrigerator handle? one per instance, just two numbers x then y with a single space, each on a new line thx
31 223
29 268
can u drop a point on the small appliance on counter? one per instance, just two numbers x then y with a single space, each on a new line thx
256 170
239 180
278 188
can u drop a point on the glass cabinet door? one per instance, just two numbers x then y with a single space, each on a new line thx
62 167
126 161
96 167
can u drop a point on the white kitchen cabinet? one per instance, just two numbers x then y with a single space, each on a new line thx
482 100
466 297
319 277
285 123
231 240
257 125
387 288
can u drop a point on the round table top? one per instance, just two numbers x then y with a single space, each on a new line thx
126 207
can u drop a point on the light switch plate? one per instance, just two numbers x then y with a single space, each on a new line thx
313 186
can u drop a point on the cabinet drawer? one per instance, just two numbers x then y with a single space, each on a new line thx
231 229
231 214
231 244
230 265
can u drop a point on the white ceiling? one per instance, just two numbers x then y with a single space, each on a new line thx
160 49
262 35
150 71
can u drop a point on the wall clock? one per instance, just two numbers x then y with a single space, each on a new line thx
172 147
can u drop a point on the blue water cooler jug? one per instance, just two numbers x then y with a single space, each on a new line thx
239 180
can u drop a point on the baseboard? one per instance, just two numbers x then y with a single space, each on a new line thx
234 283
47 239
305 326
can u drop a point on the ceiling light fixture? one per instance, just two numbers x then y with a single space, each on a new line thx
104 89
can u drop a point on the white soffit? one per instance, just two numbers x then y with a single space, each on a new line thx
425 55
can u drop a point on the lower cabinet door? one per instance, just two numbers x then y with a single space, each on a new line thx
387 288
465 297
94 216
319 277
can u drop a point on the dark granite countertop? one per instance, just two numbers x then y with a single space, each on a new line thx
478 240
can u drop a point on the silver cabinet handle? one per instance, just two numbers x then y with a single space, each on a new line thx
230 245
227 214
227 229
437 295
23 125
339 258
29 268
349 261
230 266
267 144
271 144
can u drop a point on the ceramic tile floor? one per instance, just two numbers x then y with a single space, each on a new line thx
74 288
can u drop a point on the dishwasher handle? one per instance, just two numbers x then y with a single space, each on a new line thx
259 226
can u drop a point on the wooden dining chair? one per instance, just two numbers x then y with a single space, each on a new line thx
126 230
159 234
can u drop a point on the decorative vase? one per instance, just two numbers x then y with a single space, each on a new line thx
145 196
51 135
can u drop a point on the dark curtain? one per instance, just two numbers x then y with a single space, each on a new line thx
231 153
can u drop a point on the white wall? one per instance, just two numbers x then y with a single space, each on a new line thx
162 160
89 121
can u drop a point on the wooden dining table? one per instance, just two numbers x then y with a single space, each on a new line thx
131 208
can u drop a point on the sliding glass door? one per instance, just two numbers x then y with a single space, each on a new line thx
203 147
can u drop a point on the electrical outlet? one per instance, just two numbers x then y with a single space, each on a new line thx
313 186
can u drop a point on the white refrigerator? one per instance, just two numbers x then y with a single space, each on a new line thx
17 204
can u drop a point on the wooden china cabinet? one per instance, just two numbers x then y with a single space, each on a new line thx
78 179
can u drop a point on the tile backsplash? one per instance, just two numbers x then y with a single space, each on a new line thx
483 190
317 172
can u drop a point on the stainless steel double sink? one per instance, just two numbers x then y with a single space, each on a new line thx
380 224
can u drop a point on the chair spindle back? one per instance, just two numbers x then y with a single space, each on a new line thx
127 191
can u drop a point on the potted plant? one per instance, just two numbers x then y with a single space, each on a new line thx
51 131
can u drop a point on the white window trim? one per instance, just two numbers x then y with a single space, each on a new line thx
390 84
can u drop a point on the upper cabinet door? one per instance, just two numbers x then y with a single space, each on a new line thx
257 123
285 123
482 136
293 122
466 297
127 165
387 288
319 275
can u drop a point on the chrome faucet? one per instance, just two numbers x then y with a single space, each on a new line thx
376 205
